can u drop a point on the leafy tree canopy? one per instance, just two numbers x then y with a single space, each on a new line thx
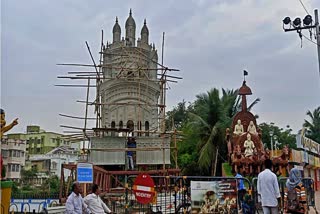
313 124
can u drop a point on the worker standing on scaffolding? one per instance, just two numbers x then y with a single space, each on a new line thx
131 144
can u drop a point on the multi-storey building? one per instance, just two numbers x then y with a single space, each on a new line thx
50 163
39 141
13 153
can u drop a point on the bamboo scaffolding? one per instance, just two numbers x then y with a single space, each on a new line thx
123 67
75 117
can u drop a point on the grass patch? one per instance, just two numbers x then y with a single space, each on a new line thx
227 169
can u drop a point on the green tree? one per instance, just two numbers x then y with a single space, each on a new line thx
210 119
51 184
28 175
203 124
212 114
283 136
313 125
177 116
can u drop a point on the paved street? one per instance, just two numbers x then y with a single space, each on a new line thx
317 202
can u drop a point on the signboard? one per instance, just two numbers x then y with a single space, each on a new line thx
214 196
307 144
143 188
85 172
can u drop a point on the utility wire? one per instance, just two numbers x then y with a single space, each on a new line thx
304 7
309 39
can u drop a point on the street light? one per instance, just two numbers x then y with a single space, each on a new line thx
271 138
295 25
276 142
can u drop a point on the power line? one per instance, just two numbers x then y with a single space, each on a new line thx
304 7
309 39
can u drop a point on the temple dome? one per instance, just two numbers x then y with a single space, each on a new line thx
145 29
116 27
130 21
244 90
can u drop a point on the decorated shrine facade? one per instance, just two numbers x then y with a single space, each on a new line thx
246 152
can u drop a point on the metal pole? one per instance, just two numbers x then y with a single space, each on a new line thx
317 35
271 136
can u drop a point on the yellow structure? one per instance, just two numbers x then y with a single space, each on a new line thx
5 196
5 185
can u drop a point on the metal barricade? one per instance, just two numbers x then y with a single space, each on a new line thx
308 183
173 195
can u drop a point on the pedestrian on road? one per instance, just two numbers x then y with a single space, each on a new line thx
75 203
241 188
94 202
295 200
268 189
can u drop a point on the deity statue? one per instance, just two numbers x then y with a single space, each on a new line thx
252 128
3 127
249 146
238 128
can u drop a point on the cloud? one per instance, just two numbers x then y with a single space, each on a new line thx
211 42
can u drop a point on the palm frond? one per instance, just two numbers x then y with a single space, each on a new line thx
253 103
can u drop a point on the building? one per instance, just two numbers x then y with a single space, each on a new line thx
14 154
309 155
131 95
39 141
50 163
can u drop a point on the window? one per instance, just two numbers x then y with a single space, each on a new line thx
54 165
113 126
130 126
146 126
5 153
139 128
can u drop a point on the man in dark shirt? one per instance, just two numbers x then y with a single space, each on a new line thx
131 144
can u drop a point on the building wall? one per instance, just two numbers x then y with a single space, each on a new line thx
135 84
39 141
130 92
13 152
51 163
154 157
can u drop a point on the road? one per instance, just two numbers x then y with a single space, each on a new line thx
317 199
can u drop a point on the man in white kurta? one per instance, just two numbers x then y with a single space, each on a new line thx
75 204
268 189
94 202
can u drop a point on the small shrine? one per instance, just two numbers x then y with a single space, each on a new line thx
246 153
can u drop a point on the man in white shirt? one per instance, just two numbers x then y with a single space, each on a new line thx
268 189
94 202
75 204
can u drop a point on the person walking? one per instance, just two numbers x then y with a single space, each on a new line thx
94 202
75 203
295 200
241 188
268 189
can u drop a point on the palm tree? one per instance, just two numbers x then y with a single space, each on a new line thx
313 126
211 116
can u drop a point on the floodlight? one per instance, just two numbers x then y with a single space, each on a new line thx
307 20
286 20
296 22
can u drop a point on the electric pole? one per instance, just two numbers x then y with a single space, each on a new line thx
295 25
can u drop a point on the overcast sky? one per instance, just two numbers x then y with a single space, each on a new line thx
210 41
